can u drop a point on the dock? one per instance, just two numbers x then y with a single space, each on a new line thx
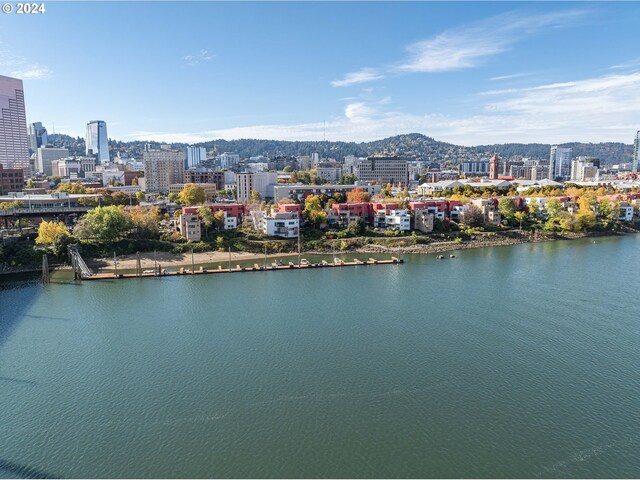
237 269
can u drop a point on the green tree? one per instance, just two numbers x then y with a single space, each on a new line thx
140 196
105 224
207 218
553 207
31 183
49 231
348 179
508 210
192 194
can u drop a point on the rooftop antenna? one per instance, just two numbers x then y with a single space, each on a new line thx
324 131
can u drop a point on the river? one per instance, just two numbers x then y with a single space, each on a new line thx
519 361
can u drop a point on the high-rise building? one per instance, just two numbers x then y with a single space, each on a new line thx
46 155
636 152
37 136
194 156
14 143
162 168
97 142
261 182
229 160
559 162
382 170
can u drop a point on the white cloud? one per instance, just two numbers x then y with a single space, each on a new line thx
32 73
599 109
509 77
202 57
466 47
362 75
19 67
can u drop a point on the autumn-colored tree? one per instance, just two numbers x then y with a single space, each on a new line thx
206 216
192 194
49 231
71 187
358 195
144 221
218 220
313 210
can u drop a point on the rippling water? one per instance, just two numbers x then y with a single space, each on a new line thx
515 361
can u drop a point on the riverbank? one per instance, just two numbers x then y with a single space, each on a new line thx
393 246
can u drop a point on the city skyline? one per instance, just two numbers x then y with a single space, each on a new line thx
486 73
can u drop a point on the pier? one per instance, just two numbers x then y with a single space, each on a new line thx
275 266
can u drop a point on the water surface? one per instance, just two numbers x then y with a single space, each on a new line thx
517 361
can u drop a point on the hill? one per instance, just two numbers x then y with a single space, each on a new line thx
414 146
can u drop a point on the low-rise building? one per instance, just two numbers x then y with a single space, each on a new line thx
278 224
190 226
489 210
300 192
626 212
422 220
11 180
427 189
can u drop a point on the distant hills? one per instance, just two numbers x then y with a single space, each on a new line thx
414 146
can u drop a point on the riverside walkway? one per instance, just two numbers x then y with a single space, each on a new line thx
237 269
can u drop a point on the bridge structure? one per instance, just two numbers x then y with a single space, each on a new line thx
80 269
42 211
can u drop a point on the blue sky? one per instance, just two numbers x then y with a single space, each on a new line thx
468 73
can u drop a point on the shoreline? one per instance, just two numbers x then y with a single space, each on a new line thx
169 260
173 261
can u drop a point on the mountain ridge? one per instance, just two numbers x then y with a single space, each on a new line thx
413 146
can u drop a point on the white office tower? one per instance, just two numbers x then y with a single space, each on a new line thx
559 163
97 142
194 156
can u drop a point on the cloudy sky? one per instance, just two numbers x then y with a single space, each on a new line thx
468 73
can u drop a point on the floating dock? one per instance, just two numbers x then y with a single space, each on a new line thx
256 268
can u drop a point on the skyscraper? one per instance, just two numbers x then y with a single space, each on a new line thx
162 168
97 142
559 162
14 144
37 136
636 152
194 155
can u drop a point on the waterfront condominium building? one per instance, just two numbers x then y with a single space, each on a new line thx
559 162
37 136
97 142
382 170
14 143
162 167
194 156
